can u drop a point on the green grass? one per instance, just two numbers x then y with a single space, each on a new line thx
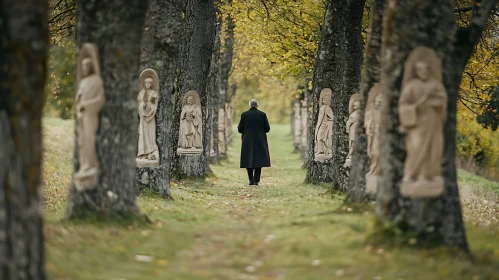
223 229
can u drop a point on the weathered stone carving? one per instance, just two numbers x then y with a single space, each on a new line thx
89 101
190 140
148 153
372 119
352 124
422 113
324 128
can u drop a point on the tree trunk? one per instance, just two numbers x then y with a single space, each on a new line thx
338 55
371 75
160 51
305 120
407 25
214 98
23 59
116 28
199 30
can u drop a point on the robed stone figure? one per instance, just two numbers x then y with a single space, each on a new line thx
422 112
190 139
89 101
147 152
254 127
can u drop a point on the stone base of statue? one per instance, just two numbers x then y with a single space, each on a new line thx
189 151
86 179
142 162
371 184
322 157
423 188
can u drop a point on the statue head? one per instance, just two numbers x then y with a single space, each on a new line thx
87 67
325 100
190 100
377 102
148 83
422 70
356 105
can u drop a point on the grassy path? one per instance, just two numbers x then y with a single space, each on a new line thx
224 229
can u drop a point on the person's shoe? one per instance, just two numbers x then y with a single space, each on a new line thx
251 183
255 184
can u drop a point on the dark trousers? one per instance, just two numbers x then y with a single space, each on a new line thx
254 175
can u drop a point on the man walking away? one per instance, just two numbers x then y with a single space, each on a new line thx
254 150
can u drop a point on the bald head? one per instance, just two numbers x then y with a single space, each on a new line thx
253 103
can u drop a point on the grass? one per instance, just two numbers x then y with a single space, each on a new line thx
223 229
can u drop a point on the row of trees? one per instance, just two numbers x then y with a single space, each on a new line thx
176 38
395 29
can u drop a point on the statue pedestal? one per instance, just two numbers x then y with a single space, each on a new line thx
142 162
423 188
86 179
322 157
371 184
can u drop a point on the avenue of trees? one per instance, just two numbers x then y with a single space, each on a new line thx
203 45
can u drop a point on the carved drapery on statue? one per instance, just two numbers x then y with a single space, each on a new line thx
148 154
190 140
352 124
89 101
372 119
324 129
422 112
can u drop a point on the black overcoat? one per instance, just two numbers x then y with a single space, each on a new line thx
254 126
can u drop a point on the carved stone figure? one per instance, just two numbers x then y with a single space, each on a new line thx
372 119
190 140
422 113
89 101
296 124
324 128
221 131
352 124
148 153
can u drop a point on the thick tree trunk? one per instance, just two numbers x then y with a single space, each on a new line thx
23 58
304 126
160 51
371 75
225 70
197 49
116 28
407 25
337 56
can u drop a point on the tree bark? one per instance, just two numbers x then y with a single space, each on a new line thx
338 55
23 69
371 75
160 51
199 32
116 28
407 25
214 98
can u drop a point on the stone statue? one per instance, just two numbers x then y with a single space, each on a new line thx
89 101
372 119
324 128
422 113
352 124
148 153
190 140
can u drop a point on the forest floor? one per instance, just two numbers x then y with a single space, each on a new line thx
221 228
